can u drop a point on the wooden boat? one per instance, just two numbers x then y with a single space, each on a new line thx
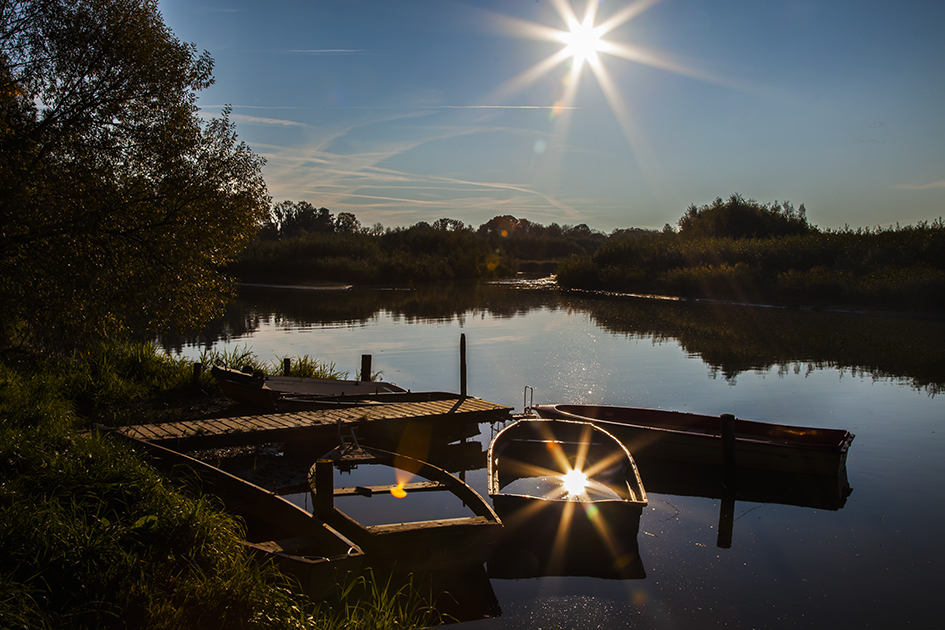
555 527
697 439
315 554
422 545
264 391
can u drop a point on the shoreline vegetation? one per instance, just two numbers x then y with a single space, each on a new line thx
94 537
128 216
732 250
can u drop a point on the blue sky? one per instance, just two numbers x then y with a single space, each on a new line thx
402 111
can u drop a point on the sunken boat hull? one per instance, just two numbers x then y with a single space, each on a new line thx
552 531
426 545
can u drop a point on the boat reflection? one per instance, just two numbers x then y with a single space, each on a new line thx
823 492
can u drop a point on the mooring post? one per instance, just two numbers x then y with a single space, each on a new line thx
324 499
198 369
462 365
726 522
728 450
365 367
286 366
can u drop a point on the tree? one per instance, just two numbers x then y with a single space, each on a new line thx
346 222
119 204
738 218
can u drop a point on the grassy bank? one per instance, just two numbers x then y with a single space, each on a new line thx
95 538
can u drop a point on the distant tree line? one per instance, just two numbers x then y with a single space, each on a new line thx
745 251
734 249
301 242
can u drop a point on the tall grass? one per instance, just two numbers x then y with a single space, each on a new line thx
242 358
903 267
93 537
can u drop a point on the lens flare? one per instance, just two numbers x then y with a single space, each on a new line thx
399 491
574 482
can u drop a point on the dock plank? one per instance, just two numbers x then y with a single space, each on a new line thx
276 426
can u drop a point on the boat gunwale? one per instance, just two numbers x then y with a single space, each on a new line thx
839 445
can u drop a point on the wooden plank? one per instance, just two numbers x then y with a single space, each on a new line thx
435 524
417 486
257 427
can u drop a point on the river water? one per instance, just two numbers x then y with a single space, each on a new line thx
865 552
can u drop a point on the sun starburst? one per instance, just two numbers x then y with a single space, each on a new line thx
584 45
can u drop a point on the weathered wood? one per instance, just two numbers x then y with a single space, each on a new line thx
729 470
462 365
287 367
445 415
417 486
365 367
324 482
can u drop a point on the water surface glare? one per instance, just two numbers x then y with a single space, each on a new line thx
869 560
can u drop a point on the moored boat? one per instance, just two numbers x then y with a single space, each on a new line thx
570 496
265 391
434 544
697 439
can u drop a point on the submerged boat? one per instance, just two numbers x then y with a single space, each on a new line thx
416 545
318 556
267 392
570 496
697 439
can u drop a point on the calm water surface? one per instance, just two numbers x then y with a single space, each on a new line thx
872 559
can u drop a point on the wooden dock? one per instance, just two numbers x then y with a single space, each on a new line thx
449 418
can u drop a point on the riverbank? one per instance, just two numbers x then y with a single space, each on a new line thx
94 537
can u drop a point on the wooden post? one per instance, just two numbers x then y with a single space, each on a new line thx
324 499
286 366
729 466
462 365
198 369
365 367
726 522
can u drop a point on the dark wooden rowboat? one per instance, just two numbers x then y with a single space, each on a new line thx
302 546
696 439
425 545
266 392
552 529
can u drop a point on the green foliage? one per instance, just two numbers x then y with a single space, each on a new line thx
738 218
119 204
367 604
420 253
94 538
902 267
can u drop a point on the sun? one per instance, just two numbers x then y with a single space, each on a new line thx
584 46
582 42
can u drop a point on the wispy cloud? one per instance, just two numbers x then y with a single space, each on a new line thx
939 184
327 51
555 107
256 120
365 183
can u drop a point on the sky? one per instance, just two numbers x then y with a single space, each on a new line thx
610 113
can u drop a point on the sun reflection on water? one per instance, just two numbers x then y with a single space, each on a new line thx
574 482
